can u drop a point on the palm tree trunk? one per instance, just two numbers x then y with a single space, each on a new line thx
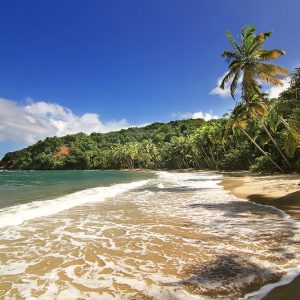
206 160
277 147
212 156
207 157
196 162
262 151
284 122
224 150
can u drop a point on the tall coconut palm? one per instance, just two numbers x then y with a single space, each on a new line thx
247 62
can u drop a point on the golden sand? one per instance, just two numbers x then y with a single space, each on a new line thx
281 191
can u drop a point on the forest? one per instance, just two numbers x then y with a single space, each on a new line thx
260 134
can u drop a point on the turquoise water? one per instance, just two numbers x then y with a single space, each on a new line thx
19 187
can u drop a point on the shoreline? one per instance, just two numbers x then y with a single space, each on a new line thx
280 191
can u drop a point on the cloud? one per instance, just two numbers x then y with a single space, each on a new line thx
218 91
275 91
196 115
37 120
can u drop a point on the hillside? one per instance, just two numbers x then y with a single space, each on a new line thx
178 144
130 148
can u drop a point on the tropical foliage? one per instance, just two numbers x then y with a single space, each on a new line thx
247 62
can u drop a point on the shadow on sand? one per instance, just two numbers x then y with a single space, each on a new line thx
238 209
289 203
229 276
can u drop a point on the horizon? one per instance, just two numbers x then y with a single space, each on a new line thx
69 67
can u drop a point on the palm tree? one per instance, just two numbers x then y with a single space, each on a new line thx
247 62
292 142
240 118
257 109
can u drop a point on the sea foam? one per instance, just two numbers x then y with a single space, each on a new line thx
16 215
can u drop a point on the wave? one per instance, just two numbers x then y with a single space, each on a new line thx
16 215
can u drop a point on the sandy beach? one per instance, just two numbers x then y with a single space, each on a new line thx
172 236
281 191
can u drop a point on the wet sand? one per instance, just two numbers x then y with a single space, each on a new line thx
281 191
175 237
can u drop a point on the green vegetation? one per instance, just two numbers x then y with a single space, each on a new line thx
261 134
247 62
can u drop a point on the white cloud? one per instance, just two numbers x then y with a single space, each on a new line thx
37 120
275 91
196 115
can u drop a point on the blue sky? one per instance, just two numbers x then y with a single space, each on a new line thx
104 65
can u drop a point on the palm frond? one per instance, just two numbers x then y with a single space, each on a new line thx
258 41
286 106
230 56
269 54
290 145
292 141
273 69
270 73
247 30
294 122
234 83
232 41
270 79
227 77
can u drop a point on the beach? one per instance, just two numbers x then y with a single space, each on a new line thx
280 191
164 235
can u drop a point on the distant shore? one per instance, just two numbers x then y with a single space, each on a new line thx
281 191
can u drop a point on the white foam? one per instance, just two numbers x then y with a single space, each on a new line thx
13 268
210 181
16 215
266 289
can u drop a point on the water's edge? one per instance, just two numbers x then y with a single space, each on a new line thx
16 215
285 279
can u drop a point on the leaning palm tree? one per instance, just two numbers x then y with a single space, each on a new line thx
240 117
292 142
257 109
247 62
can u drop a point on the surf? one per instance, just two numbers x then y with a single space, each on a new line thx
16 215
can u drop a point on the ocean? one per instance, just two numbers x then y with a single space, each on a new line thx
138 235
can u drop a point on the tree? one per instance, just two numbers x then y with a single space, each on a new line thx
240 118
257 109
293 92
247 62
